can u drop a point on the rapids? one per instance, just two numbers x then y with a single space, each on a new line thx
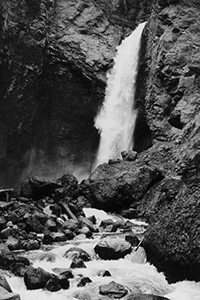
136 274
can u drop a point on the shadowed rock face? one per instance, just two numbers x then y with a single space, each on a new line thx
53 61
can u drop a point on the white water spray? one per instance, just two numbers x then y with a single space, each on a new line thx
116 119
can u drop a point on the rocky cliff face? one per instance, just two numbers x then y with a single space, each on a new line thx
53 59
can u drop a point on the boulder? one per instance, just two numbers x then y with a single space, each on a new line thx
113 290
115 187
38 187
112 248
36 278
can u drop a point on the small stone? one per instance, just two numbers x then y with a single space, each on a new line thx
83 281
77 263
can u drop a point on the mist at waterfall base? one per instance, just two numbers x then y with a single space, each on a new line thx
137 275
116 119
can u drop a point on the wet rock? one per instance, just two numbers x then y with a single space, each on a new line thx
103 273
4 283
113 290
75 252
52 285
112 248
77 263
5 295
83 281
36 278
67 274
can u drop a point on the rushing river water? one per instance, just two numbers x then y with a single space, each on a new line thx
133 272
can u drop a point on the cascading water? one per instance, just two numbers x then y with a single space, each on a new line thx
132 272
116 119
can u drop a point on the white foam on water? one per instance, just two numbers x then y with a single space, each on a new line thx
116 119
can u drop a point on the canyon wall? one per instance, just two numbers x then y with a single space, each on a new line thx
54 56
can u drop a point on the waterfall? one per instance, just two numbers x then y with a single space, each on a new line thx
116 119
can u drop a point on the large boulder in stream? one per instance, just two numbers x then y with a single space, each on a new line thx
112 248
115 186
36 278
113 290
